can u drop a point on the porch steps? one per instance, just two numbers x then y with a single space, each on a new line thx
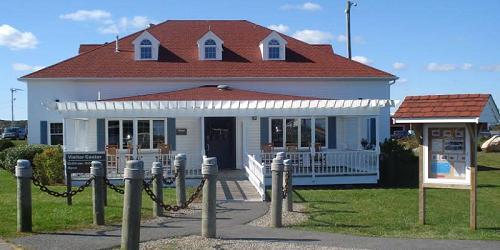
233 185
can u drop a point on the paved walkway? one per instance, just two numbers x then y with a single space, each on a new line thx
232 218
233 185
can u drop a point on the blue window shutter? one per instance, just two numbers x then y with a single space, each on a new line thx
43 132
264 130
101 135
332 132
373 131
171 132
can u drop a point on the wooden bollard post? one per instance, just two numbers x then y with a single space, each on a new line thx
277 191
97 171
157 174
208 213
288 178
180 181
24 173
132 201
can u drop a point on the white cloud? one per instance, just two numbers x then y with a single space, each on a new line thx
87 15
436 67
399 66
125 24
466 66
279 27
314 36
402 80
307 6
25 67
492 68
362 59
15 39
109 25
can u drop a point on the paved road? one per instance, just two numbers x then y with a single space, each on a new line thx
231 224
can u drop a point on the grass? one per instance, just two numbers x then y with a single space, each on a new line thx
393 212
52 214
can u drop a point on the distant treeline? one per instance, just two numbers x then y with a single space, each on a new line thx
6 124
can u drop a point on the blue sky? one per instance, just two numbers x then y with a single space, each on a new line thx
435 47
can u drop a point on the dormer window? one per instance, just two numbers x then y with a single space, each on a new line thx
210 47
273 47
146 49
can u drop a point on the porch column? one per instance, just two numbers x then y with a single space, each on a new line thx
359 132
202 134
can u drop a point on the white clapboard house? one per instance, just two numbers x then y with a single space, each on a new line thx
230 89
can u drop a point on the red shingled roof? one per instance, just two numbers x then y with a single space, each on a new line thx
443 106
88 47
211 92
178 56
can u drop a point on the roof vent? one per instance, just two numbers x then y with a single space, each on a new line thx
222 87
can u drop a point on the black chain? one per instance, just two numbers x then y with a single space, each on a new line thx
115 188
166 180
71 193
168 207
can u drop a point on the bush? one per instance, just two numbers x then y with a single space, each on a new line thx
398 165
5 144
26 152
49 165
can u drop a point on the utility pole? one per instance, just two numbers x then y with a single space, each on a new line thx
12 99
348 22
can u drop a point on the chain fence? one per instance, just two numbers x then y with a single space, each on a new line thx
174 208
65 194
166 180
113 187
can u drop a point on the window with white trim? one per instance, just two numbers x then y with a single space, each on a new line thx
150 133
274 48
297 132
146 49
210 47
56 134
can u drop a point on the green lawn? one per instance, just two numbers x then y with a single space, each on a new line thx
51 213
394 212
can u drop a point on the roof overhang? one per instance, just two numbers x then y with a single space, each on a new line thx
333 78
100 109
437 120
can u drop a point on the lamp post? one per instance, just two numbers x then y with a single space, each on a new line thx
12 99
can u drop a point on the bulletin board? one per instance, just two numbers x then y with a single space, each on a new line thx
447 155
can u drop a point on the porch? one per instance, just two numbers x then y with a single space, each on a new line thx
329 141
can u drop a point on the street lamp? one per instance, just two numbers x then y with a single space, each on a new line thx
12 99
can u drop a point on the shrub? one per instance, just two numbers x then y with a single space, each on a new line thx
398 165
5 144
49 165
26 152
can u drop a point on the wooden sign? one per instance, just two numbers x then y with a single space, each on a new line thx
81 162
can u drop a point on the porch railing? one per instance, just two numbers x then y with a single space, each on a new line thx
256 175
362 162
116 164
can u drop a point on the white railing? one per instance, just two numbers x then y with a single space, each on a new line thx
360 162
193 167
255 172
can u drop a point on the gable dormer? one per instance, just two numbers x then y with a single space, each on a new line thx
273 47
146 47
210 47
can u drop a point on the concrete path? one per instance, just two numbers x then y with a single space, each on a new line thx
232 218
233 185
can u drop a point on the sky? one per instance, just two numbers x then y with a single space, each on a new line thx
435 47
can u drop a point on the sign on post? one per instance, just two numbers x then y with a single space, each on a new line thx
80 162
